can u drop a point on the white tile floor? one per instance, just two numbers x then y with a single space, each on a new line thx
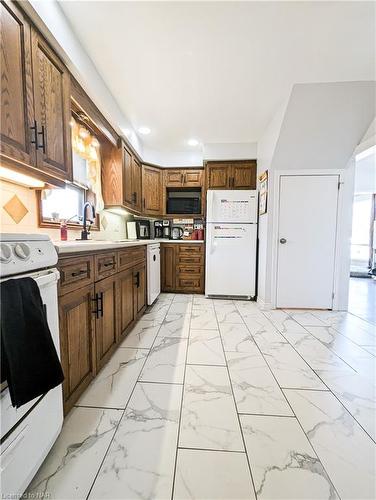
219 400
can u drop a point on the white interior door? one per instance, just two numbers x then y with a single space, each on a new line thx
306 240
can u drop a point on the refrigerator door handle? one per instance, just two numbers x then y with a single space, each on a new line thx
213 243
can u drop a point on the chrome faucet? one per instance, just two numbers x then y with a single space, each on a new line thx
86 231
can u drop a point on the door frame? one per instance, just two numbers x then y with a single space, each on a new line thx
340 228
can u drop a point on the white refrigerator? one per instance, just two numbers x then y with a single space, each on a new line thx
231 242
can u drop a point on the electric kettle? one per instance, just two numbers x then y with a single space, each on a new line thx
176 233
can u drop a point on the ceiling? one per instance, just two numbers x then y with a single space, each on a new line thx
217 71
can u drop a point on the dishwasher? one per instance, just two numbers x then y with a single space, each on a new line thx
153 272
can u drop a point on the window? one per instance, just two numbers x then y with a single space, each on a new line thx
62 204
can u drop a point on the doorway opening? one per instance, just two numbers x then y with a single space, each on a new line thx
362 289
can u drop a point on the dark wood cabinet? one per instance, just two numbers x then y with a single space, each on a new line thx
127 177
77 342
106 322
51 83
231 175
151 190
168 267
17 100
183 177
100 298
137 185
139 275
182 267
127 308
35 101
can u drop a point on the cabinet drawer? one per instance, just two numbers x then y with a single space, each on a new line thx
189 269
189 283
105 265
191 259
190 250
75 273
128 257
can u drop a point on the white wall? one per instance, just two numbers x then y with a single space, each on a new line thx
265 153
233 151
318 130
365 173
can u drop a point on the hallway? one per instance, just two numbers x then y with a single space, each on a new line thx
362 298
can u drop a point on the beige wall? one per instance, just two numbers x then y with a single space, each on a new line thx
112 226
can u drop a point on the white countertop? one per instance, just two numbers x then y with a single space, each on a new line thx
76 246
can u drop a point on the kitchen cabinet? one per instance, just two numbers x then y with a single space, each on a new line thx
121 178
231 175
127 312
182 267
77 342
137 185
183 177
17 101
106 323
151 190
100 298
168 267
51 83
35 101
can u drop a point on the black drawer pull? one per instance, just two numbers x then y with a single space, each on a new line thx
107 264
78 273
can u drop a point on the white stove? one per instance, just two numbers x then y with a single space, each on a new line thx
28 432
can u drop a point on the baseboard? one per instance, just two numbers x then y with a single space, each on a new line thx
264 305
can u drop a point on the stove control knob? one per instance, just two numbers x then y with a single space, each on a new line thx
22 251
5 253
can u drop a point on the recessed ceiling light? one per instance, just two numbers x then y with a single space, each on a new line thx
144 130
193 142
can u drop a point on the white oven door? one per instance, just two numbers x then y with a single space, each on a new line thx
41 418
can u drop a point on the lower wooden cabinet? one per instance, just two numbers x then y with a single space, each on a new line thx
77 342
95 316
182 267
106 319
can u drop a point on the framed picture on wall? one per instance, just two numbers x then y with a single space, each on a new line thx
263 201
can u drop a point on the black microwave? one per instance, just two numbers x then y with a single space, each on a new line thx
183 201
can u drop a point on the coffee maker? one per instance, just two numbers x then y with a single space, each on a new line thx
158 229
166 229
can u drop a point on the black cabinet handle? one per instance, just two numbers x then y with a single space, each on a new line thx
181 178
137 282
77 273
43 145
135 197
100 308
35 133
96 310
107 264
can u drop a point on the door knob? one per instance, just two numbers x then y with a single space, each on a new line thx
283 241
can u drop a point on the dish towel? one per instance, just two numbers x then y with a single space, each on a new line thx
29 361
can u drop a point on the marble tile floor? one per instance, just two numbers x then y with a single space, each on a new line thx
216 399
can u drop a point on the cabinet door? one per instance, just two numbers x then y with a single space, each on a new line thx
168 267
151 190
126 300
139 274
174 178
218 175
243 175
137 185
77 341
193 178
106 327
51 82
127 178
17 107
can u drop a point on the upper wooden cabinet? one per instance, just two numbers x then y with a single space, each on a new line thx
151 190
121 178
35 101
231 175
183 177
52 109
17 105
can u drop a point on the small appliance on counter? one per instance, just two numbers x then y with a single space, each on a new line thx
176 233
158 229
166 232
138 230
